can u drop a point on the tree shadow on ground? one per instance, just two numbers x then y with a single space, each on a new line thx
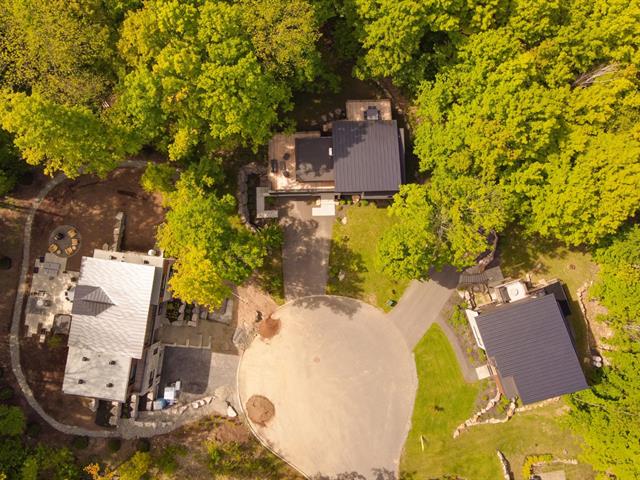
338 305
378 474
345 269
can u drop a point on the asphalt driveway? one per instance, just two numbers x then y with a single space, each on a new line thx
307 242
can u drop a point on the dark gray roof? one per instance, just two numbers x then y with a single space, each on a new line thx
89 300
532 349
367 156
313 162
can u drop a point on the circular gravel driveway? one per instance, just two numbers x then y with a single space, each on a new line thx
342 381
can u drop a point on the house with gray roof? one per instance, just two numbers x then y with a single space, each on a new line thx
362 154
113 352
528 341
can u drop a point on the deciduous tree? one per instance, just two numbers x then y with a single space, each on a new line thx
213 250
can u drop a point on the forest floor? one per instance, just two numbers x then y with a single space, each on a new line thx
353 269
543 261
444 401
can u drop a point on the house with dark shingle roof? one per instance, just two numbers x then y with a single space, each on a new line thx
360 155
528 341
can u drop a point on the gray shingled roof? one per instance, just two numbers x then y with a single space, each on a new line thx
313 162
366 156
532 349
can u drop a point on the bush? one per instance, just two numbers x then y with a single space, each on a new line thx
158 177
79 442
136 467
531 460
55 342
144 445
5 263
114 444
166 461
6 393
12 421
34 429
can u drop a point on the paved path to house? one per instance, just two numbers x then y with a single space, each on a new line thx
426 303
129 429
307 241
342 380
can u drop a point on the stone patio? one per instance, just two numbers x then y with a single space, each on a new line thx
47 298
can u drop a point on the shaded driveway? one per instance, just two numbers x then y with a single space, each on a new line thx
305 253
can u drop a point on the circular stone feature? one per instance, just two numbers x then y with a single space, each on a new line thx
343 382
64 241
260 410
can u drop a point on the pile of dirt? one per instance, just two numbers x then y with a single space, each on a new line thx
260 409
269 327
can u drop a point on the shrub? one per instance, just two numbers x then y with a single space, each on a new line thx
34 429
158 177
136 467
55 342
531 460
80 442
166 461
364 203
114 444
12 421
144 445
6 393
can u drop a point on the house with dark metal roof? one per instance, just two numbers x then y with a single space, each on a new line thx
528 342
361 155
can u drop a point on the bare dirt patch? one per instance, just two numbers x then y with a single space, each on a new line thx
254 303
91 204
269 327
260 409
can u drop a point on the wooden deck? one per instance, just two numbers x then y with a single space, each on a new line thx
282 149
356 108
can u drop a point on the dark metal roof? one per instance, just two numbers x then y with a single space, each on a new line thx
89 300
367 156
531 348
313 162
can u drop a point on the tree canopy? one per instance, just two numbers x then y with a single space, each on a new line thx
612 404
214 250
442 223
213 73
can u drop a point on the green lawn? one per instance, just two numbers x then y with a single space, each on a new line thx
544 260
444 401
353 252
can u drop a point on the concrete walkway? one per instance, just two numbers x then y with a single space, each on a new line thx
426 303
307 241
129 428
